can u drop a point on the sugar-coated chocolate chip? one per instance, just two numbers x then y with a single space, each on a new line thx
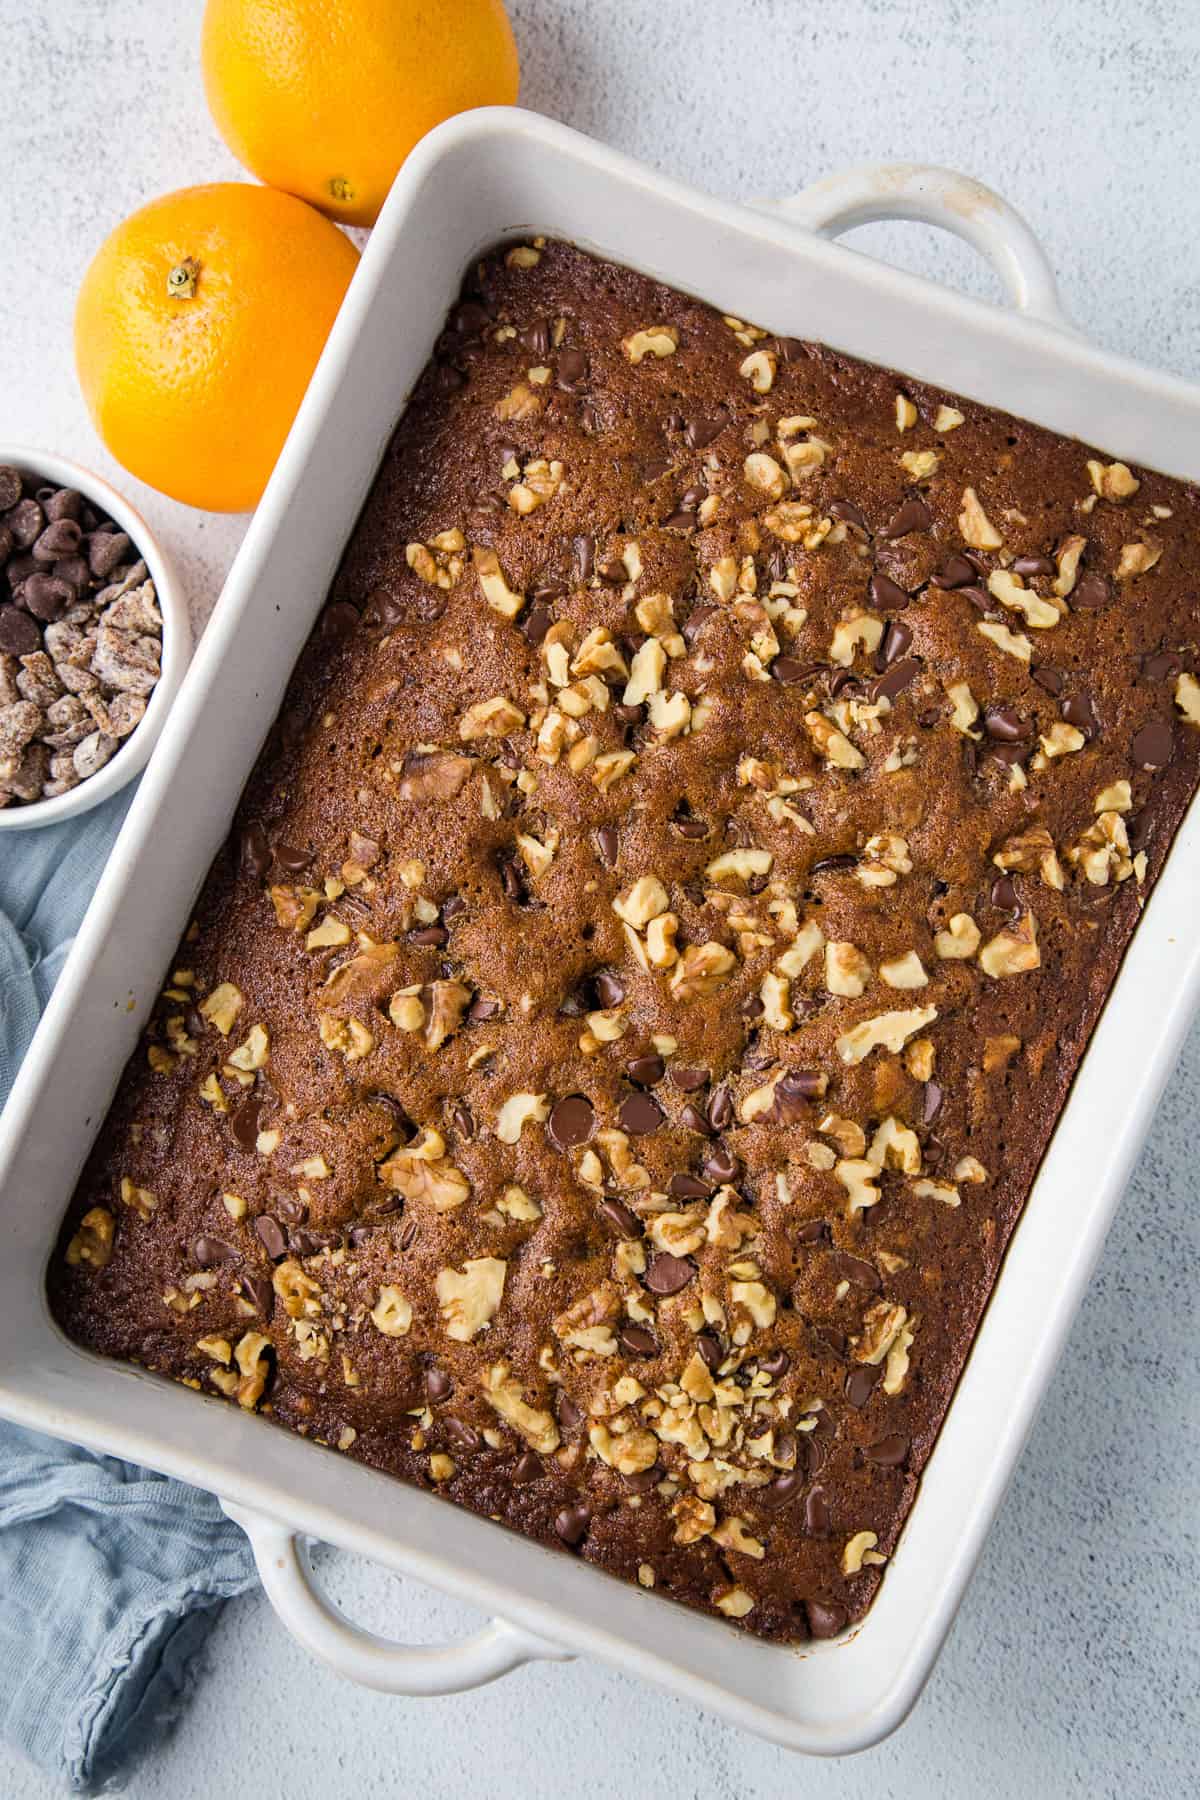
19 633
669 1274
1153 745
25 520
571 1122
62 538
640 1114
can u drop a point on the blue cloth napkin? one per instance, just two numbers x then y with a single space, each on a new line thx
109 1575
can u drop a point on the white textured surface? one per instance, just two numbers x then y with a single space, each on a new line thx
1073 1670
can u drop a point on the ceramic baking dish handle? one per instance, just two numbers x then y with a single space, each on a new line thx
325 1632
941 197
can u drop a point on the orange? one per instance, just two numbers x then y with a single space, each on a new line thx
198 325
326 98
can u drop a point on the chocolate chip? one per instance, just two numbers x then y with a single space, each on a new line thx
644 1480
885 594
432 936
955 572
608 843
692 829
793 1091
621 1220
695 622
566 1412
1047 678
647 1071
1092 593
896 679
813 1231
63 538
912 515
854 1269
383 609
720 1109
689 1187
610 989
825 1618
669 1274
640 1114
1005 724
721 1165
689 1081
889 1452
636 1340
19 634
1153 745
849 513
583 558
1164 666
483 1008
270 1236
572 1524
289 1206
1078 710
572 368
699 433
207 1251
979 598
836 865
711 1354
896 642
526 1468
782 1491
789 671
1004 893
1028 566
292 859
47 597
10 487
692 1119
571 1122
258 1291
861 1383
816 1513
245 1123
775 1366
462 1119
931 1102
438 1384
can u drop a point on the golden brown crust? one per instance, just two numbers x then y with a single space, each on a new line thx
640 756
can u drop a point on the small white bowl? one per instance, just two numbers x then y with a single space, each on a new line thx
44 468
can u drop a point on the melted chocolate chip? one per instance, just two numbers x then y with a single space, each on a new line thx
793 1091
1153 745
1047 678
640 1114
572 369
1164 666
893 683
955 572
270 1236
885 594
912 515
669 1274
1029 566
861 1383
291 859
689 1081
647 1071
825 1618
1091 593
209 1251
1005 724
789 671
571 1122
849 512
689 1187
245 1123
701 432
621 1220
636 1340
782 1491
711 1354
888 1452
817 1519
720 1109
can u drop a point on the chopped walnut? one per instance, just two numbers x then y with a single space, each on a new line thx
652 340
421 1171
833 744
847 970
961 938
860 1550
1013 950
701 970
496 591
92 1243
503 1393
392 1313
1112 481
638 904
468 1298
947 418
904 971
222 1006
889 1031
1011 591
977 529
1187 697
759 370
496 718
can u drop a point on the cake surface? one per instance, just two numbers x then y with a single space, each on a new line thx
606 1066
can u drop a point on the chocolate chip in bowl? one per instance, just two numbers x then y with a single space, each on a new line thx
94 639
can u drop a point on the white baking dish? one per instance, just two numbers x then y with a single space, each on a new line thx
479 178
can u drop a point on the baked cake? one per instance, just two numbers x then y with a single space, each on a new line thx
603 1073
